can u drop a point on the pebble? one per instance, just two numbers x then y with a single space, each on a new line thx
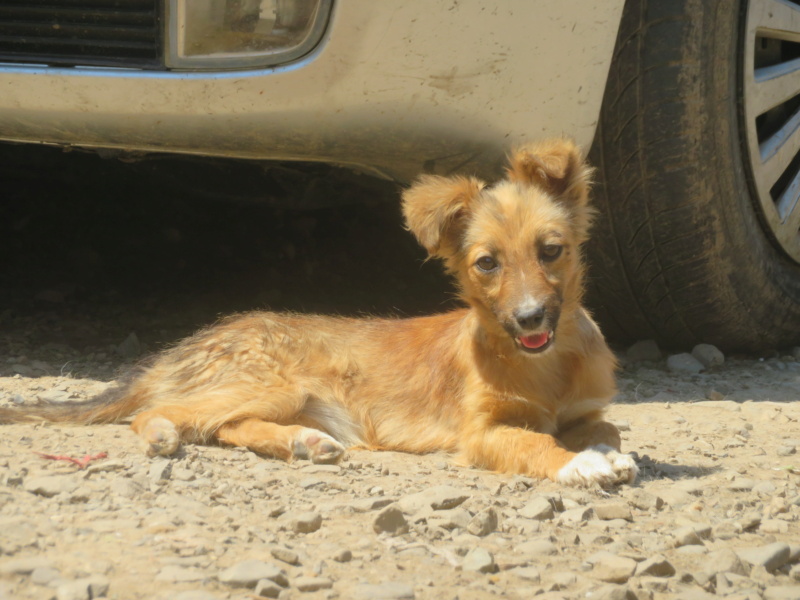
382 591
307 522
440 497
644 350
44 575
160 471
25 566
390 520
771 557
782 592
710 356
724 560
534 548
175 574
684 363
528 573
483 523
611 592
574 516
312 584
612 568
196 595
248 572
655 566
538 508
480 560
285 555
51 485
615 510
267 589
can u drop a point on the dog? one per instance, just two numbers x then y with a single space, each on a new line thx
515 382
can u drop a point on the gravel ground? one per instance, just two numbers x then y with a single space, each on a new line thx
88 288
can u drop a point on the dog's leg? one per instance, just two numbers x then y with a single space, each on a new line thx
281 441
159 429
598 445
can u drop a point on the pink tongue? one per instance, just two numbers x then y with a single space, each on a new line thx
534 341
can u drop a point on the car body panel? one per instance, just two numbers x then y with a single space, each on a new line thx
395 88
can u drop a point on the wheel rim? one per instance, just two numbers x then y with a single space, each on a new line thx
771 86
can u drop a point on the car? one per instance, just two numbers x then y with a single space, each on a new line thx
690 112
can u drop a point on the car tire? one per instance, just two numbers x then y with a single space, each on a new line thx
683 251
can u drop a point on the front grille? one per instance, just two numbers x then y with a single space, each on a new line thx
121 33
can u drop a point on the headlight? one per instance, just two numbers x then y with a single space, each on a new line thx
219 34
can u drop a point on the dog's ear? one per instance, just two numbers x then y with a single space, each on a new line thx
435 209
556 166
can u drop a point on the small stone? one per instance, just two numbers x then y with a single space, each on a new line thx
724 561
771 557
710 356
483 523
440 497
773 526
782 592
285 555
656 566
616 510
176 574
44 575
645 501
248 572
196 595
684 363
574 516
644 350
480 560
612 568
363 505
390 520
307 522
342 556
528 574
73 590
611 592
382 591
312 584
540 547
25 566
538 508
267 589
686 536
786 450
51 485
160 471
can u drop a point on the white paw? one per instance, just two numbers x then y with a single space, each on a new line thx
317 446
600 465
161 437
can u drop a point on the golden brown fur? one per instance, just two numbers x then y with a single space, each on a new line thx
486 383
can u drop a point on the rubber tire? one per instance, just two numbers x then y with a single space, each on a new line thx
678 253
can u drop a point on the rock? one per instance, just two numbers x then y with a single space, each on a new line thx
574 516
267 589
724 561
248 572
616 510
312 584
44 575
176 574
390 520
440 497
538 508
771 557
160 471
125 487
196 595
710 356
687 536
456 518
533 548
612 568
656 566
480 560
382 591
644 350
782 592
645 501
342 555
51 485
285 555
483 523
363 505
611 592
307 522
25 566
684 363
83 589
527 573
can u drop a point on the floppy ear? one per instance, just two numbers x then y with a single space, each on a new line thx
435 208
556 166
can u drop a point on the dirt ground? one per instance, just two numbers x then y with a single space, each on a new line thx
92 282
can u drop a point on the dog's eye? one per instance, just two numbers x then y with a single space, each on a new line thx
486 263
551 251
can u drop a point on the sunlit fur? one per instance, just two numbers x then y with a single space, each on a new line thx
457 382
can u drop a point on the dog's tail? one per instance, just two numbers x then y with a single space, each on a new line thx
111 406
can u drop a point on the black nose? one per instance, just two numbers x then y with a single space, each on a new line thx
530 319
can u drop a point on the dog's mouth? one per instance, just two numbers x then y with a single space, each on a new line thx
537 342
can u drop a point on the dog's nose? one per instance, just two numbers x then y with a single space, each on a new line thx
530 318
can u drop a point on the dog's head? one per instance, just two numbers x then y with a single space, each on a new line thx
514 246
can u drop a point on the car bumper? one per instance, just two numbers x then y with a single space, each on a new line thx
395 88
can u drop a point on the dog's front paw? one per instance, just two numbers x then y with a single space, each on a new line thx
318 447
600 465
161 437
